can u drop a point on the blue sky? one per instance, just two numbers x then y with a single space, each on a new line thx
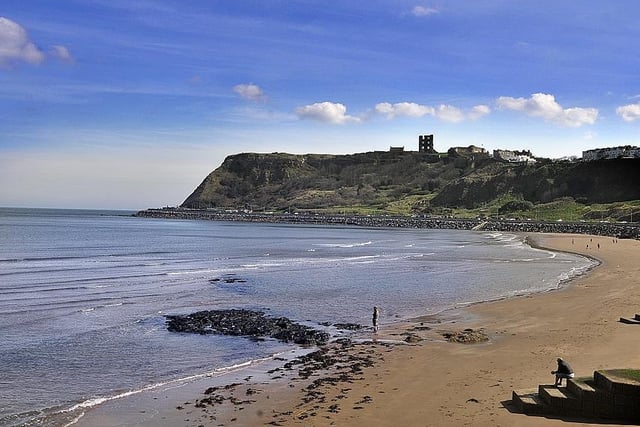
130 104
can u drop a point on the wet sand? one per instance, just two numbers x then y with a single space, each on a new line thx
429 381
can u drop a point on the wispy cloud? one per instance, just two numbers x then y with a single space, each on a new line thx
136 6
15 45
424 11
259 113
545 106
327 112
75 93
629 113
250 91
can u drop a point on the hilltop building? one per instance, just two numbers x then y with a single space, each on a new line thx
470 151
626 151
511 156
425 144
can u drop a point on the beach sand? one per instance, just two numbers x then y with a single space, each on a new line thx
433 382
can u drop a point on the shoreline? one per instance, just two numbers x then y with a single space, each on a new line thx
427 328
579 323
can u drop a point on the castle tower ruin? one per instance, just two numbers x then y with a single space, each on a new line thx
425 144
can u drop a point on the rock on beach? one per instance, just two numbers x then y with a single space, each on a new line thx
247 323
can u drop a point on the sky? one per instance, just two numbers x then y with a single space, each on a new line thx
130 104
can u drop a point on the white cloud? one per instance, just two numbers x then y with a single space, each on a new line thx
447 113
403 109
328 112
249 91
424 11
61 53
629 113
15 45
479 111
545 106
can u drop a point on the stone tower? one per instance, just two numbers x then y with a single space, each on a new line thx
425 144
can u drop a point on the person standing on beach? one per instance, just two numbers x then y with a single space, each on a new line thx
374 319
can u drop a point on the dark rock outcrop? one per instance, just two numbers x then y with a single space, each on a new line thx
467 336
348 326
247 323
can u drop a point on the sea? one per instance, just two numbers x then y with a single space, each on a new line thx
84 294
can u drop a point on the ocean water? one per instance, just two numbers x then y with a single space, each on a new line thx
83 294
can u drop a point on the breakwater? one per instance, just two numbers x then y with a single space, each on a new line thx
620 230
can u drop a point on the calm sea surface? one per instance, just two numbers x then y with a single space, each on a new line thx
83 294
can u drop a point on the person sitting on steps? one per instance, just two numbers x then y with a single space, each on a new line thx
564 371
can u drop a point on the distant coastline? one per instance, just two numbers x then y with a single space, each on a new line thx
620 230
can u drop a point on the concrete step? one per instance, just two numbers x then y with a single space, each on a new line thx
527 401
559 399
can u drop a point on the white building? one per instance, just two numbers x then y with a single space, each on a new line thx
626 151
514 156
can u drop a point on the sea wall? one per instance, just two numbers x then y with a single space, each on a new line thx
620 230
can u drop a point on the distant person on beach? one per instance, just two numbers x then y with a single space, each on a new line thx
374 319
564 371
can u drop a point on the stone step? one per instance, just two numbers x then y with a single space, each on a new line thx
527 401
609 394
616 381
581 387
630 321
559 399
584 389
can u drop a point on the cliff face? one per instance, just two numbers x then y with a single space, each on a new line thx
281 181
589 182
245 178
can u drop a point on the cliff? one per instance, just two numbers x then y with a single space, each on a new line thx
604 181
406 182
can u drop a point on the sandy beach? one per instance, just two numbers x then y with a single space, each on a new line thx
430 381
